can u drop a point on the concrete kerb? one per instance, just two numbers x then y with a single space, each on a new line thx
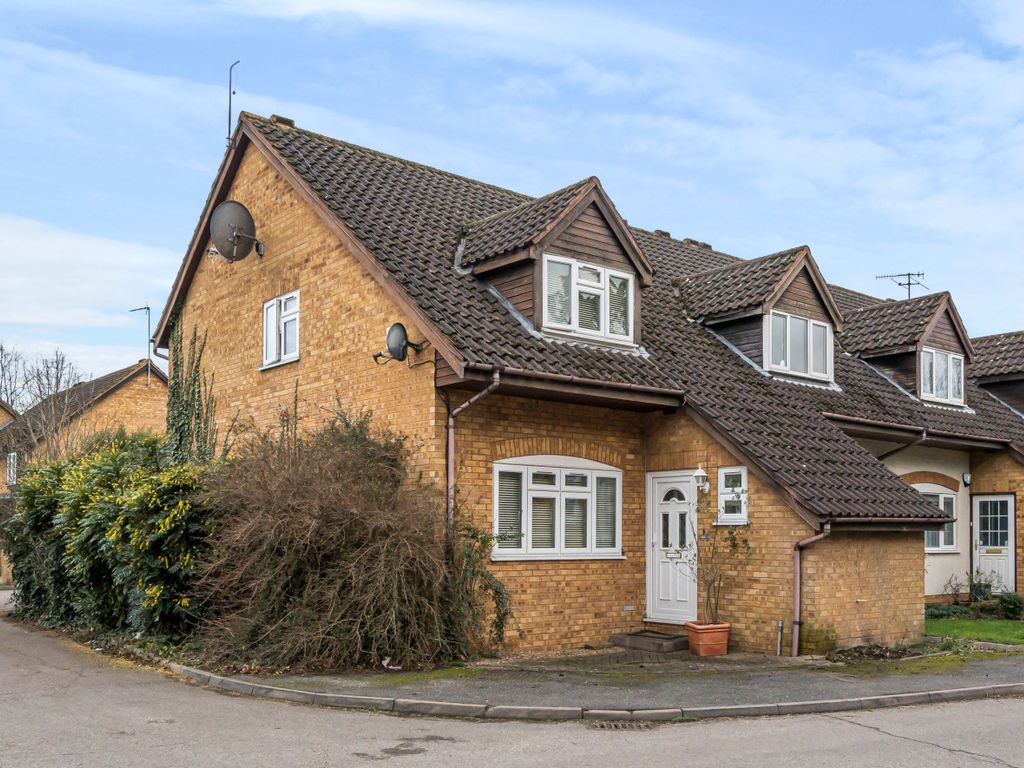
509 712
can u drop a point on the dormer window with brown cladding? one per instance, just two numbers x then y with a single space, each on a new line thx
587 300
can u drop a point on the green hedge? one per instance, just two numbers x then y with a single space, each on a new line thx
108 539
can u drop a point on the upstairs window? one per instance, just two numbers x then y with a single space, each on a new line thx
587 300
942 376
556 507
799 346
944 539
12 468
281 329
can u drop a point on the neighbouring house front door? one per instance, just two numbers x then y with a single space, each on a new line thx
994 540
671 523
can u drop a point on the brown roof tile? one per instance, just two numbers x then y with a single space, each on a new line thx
889 324
514 228
411 217
735 287
998 355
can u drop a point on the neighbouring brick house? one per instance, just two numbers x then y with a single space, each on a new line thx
134 397
582 383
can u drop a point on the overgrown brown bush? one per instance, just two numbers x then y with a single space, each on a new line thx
325 554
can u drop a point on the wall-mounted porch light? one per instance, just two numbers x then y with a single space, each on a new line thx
967 479
700 477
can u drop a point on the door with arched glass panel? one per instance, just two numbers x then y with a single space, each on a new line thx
671 525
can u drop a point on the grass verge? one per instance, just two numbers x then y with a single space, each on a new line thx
985 630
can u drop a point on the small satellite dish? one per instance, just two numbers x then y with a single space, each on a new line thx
233 231
398 341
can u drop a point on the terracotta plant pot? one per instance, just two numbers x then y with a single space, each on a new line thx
708 639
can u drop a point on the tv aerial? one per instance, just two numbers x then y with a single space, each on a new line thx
398 346
233 231
905 280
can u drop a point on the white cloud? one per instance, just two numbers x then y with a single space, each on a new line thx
69 280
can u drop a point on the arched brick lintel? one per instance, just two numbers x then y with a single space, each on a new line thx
935 478
557 446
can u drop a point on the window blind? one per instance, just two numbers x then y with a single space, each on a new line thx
575 523
510 510
606 505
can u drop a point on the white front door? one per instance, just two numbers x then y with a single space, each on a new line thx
993 540
671 523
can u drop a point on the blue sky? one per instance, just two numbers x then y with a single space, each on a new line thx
888 136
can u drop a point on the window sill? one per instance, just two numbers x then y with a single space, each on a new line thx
731 522
562 334
279 363
520 556
941 551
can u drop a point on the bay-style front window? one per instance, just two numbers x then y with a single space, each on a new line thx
798 346
554 507
587 300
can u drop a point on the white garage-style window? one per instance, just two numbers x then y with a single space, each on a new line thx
942 376
587 300
281 329
944 539
732 496
798 346
556 507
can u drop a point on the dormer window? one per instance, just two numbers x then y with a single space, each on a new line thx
587 300
942 376
798 346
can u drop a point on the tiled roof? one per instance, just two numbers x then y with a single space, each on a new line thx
735 287
998 355
412 217
70 403
514 228
890 324
849 301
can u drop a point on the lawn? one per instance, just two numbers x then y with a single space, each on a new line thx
987 630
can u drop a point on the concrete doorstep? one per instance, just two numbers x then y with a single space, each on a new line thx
540 713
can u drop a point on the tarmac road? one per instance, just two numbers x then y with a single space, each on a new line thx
61 705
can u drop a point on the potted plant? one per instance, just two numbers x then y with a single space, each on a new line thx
711 562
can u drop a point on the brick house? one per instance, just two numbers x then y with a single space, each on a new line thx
134 397
578 384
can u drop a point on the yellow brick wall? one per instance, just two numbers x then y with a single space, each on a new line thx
759 587
1000 473
862 588
344 314
559 603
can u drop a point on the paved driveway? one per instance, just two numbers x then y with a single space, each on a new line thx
61 705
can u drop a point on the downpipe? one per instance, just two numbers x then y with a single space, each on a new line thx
798 549
450 451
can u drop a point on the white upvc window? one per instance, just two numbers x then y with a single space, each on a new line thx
944 539
732 496
281 329
12 468
556 507
942 376
798 346
587 300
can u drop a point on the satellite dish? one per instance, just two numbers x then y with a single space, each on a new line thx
233 231
398 341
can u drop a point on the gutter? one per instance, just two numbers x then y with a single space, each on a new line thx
450 450
566 379
798 549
